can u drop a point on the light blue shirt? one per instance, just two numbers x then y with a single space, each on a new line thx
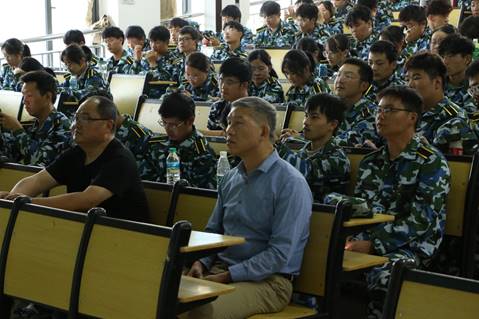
271 208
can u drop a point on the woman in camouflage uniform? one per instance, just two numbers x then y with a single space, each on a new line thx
14 51
264 82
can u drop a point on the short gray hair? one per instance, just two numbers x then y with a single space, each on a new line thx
263 112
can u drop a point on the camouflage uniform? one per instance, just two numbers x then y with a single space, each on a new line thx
358 125
134 136
205 92
333 27
162 72
282 37
146 48
413 187
300 95
447 123
270 90
420 44
383 18
376 88
223 53
246 40
399 4
342 13
89 82
464 3
218 112
459 96
319 33
40 146
360 49
326 170
8 80
197 160
121 66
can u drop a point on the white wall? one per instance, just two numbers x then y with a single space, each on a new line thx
145 13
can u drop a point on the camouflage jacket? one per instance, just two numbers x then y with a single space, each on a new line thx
218 112
223 53
134 136
7 78
447 123
360 49
282 37
320 34
397 5
342 13
459 96
376 88
40 146
197 160
420 44
358 125
146 48
300 95
270 90
413 187
89 82
208 91
333 27
246 40
121 66
164 71
383 18
326 170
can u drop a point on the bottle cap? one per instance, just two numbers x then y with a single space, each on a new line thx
172 149
223 154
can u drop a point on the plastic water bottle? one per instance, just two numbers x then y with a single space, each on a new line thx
172 167
223 166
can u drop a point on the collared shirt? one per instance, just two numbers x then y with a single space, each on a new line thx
223 52
375 88
270 207
459 95
122 66
358 124
80 86
421 44
270 90
282 37
413 187
327 170
447 123
41 145
333 26
134 136
300 95
360 49
218 112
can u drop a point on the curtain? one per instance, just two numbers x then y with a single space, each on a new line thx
168 9
89 12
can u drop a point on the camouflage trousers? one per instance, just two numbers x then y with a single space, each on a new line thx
377 280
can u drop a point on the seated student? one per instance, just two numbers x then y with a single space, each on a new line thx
135 35
235 75
475 8
132 134
98 172
290 13
323 163
264 81
265 200
418 35
233 13
197 159
343 7
456 52
380 12
327 19
383 62
83 78
200 79
310 46
395 35
49 135
233 32
29 64
14 51
120 61
443 123
407 178
76 37
439 35
275 32
437 13
470 29
174 28
354 79
158 61
336 51
298 67
472 75
307 22
188 40
361 23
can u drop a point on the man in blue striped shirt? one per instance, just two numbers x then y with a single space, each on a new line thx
265 200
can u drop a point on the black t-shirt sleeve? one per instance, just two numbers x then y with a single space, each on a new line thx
117 174
63 167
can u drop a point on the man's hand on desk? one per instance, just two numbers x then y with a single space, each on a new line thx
223 277
196 270
360 246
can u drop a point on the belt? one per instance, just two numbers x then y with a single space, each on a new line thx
290 277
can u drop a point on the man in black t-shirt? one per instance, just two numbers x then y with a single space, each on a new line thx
99 171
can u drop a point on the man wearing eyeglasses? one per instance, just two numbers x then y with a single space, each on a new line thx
188 40
197 159
407 178
98 171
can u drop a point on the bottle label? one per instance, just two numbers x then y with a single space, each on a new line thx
173 165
